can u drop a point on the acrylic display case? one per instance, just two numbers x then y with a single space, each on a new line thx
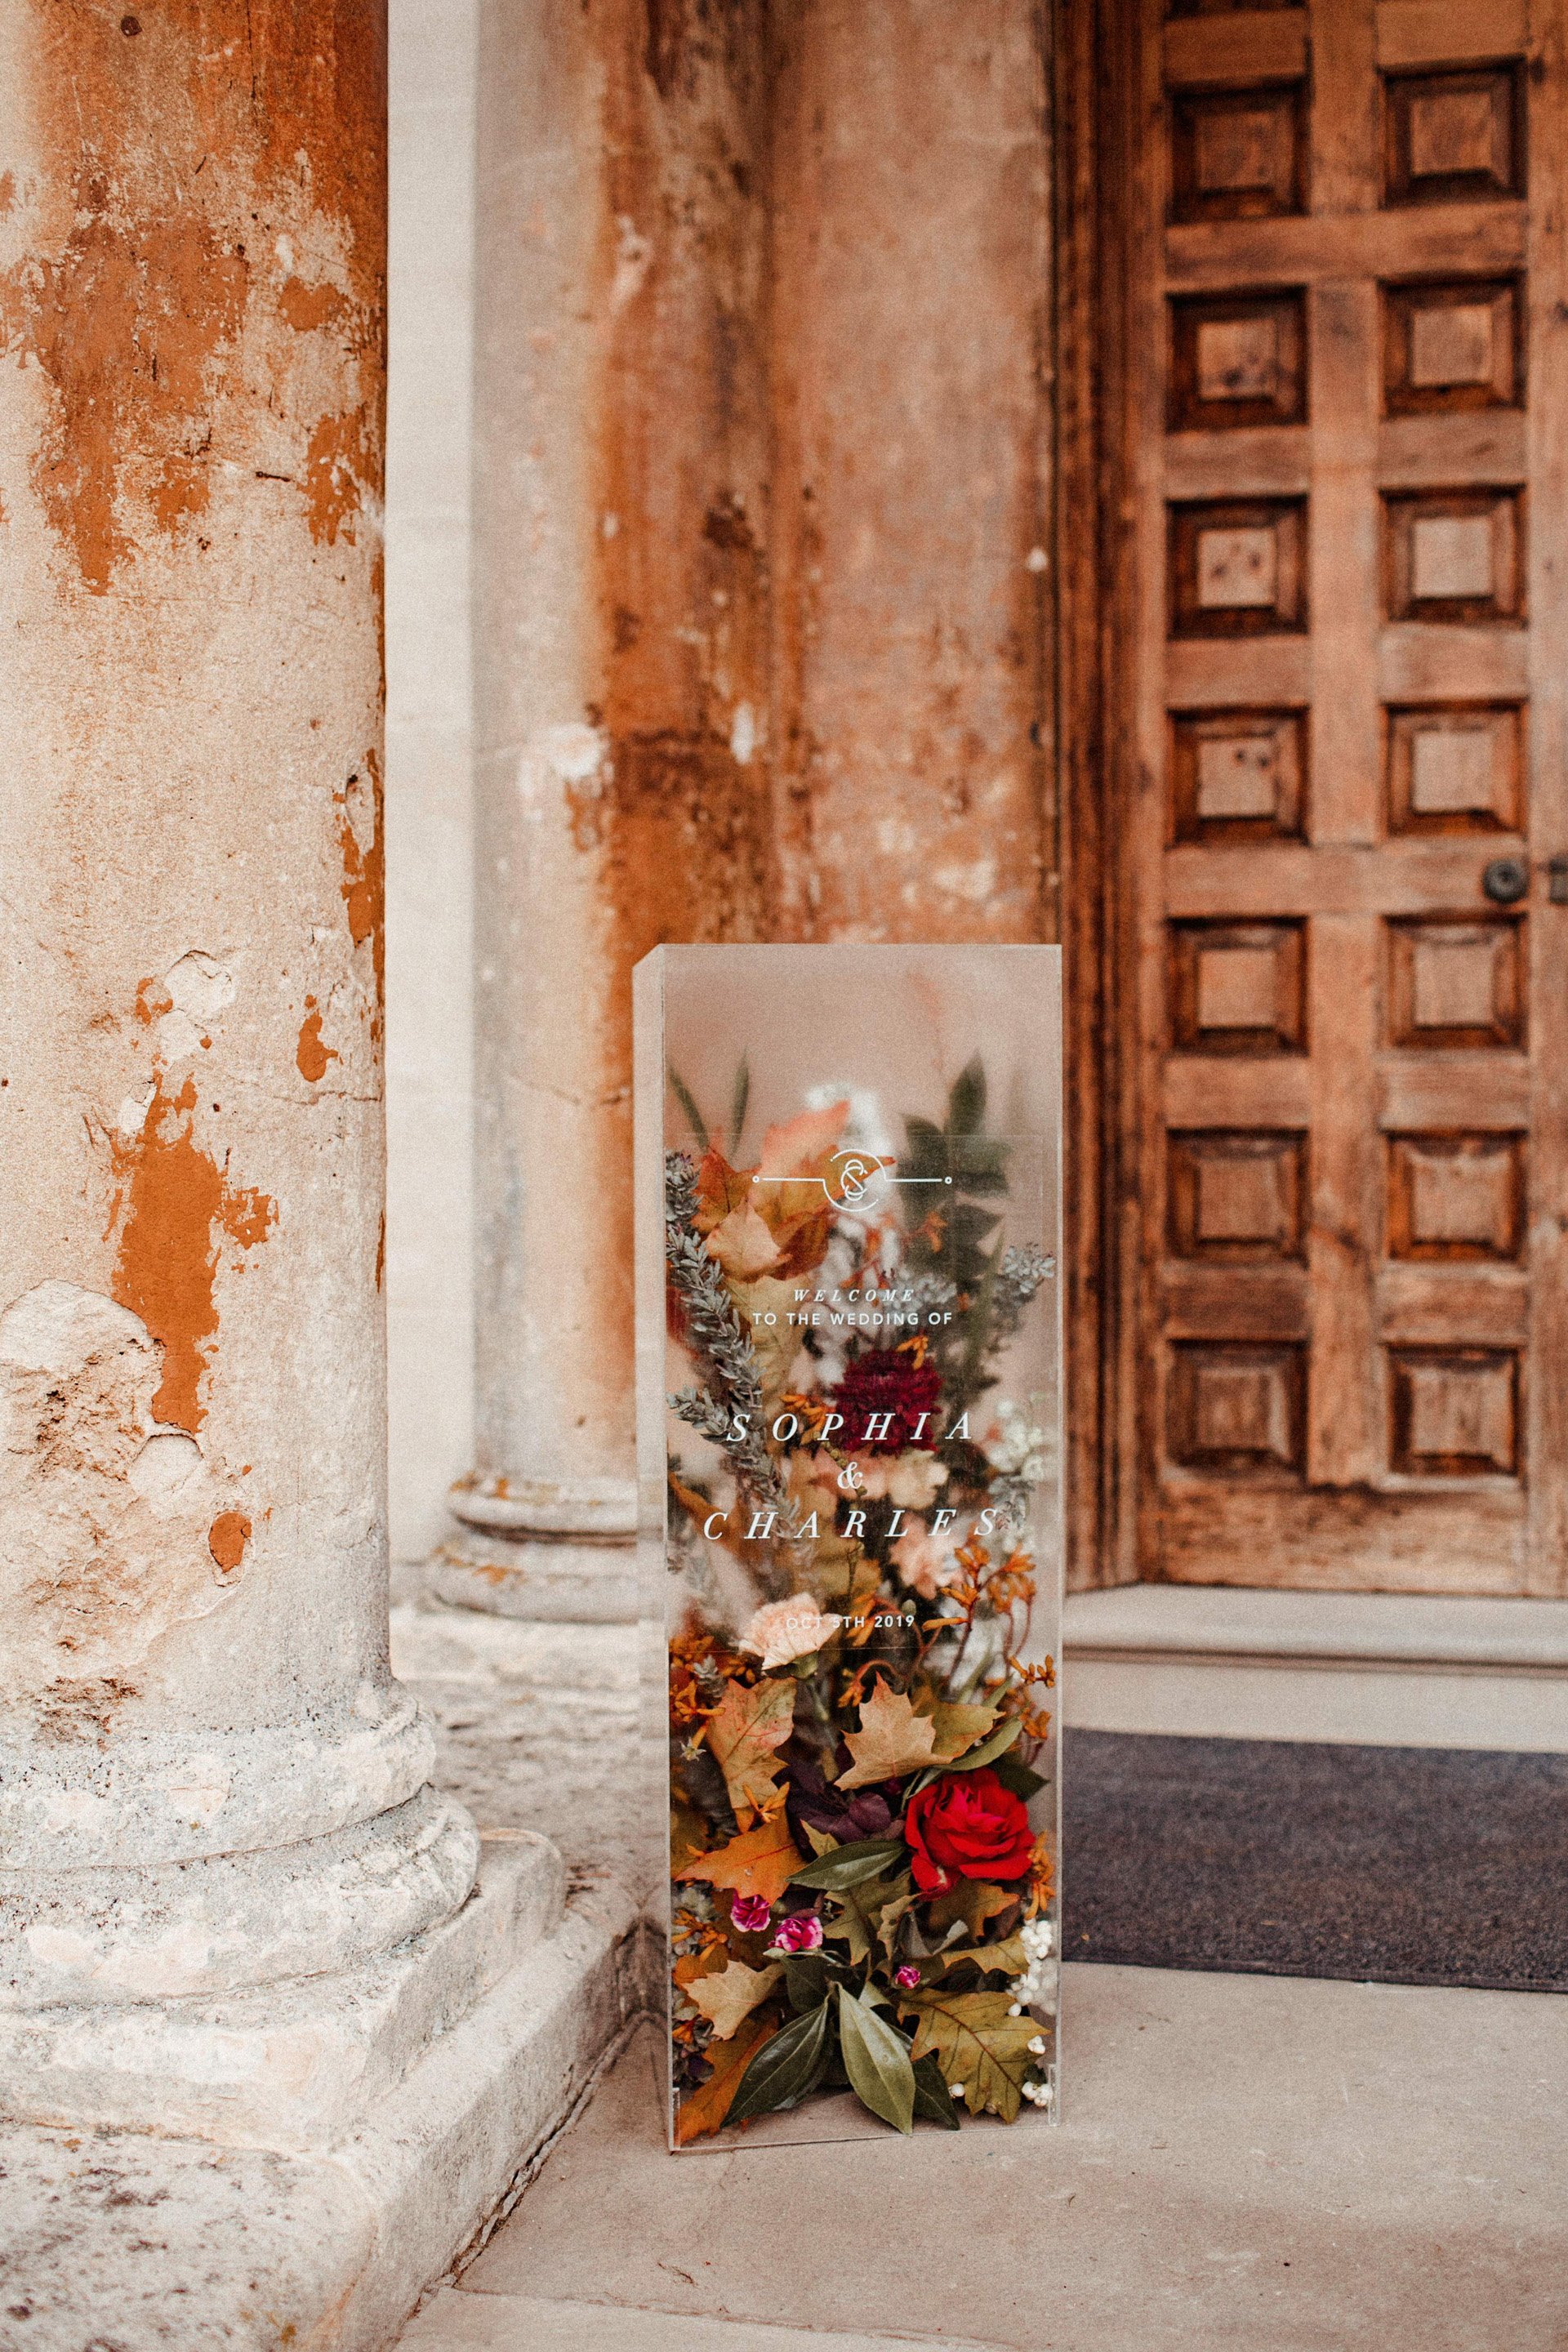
849 1453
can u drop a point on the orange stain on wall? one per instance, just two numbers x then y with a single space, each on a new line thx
311 1057
174 1206
365 882
226 1538
340 468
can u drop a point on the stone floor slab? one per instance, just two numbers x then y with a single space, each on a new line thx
456 2322
1245 2165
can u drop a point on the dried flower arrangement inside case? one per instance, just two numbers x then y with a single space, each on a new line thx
848 1348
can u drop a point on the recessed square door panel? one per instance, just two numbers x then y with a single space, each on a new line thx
1236 1199
1235 1409
1180 8
1238 567
1454 346
1454 138
1454 768
1454 557
1454 1411
1239 155
1456 1199
1237 360
1237 988
1456 985
1238 775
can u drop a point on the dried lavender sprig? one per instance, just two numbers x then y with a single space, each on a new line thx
1019 1276
718 1341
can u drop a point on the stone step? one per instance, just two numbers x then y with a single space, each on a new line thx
159 2243
456 2322
1387 1669
293 2065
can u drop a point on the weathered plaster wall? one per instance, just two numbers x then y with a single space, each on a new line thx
760 590
622 634
911 493
434 77
191 341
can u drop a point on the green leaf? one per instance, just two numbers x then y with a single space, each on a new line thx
809 1978
688 1101
849 1865
862 1909
786 2069
966 1103
1001 1739
1014 1774
927 1149
934 2102
969 1225
741 1097
877 2061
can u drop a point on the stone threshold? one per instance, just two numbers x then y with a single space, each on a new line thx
1384 1669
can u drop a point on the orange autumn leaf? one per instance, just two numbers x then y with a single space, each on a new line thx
892 1739
758 1861
691 1965
744 1731
703 2110
719 1190
742 1244
797 1146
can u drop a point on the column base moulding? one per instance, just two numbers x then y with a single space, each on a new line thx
554 1549
325 2152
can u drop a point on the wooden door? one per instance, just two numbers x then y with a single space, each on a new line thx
1347 660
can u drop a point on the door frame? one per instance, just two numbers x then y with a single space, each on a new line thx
1095 58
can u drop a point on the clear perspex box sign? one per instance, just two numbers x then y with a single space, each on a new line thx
851 1467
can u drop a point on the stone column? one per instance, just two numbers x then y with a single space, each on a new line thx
621 696
208 1781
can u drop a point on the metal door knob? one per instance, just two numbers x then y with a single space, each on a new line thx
1505 880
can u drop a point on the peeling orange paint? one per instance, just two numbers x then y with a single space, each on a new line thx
180 488
365 881
312 1057
304 307
179 157
173 1206
339 471
226 1538
126 325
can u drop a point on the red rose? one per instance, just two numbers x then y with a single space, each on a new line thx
968 1826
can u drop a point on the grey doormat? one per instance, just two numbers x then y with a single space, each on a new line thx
1409 1865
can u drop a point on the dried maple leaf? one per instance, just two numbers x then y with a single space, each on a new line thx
974 1902
742 1244
703 2110
977 2044
758 1861
958 1727
744 1731
728 1998
892 1739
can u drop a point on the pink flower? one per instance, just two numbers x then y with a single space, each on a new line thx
750 1913
925 1562
907 1976
801 1934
